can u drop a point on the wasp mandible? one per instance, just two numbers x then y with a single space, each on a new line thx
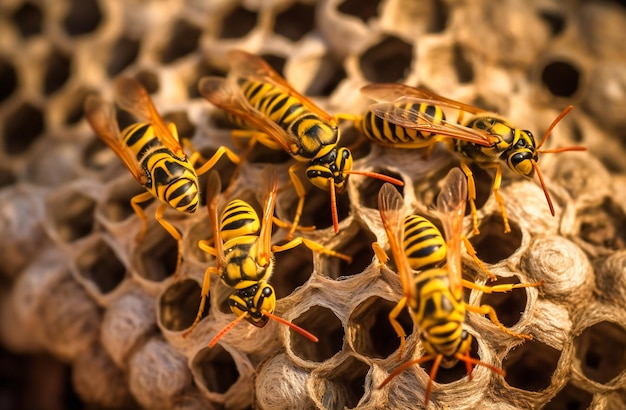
283 118
244 254
432 287
408 117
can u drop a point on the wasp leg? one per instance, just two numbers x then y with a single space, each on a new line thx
206 283
287 225
172 231
301 192
496 192
471 195
380 253
488 310
472 252
393 320
312 245
134 203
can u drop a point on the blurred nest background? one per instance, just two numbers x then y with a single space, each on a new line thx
89 319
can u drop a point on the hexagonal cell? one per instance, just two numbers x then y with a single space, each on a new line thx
155 256
57 71
294 22
72 215
96 155
462 66
561 78
292 269
601 350
100 266
571 398
343 385
327 79
530 366
21 128
387 61
508 305
324 324
202 69
216 369
601 226
493 245
185 128
8 79
124 53
184 39
83 17
369 189
150 80
239 22
115 206
359 248
364 10
179 303
75 102
277 62
28 18
317 208
372 334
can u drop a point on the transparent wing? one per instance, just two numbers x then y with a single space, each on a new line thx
388 92
226 95
270 182
390 206
249 66
214 187
405 113
101 116
133 97
451 210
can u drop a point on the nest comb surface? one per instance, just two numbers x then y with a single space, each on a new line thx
76 286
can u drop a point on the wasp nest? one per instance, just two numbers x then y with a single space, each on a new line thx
77 286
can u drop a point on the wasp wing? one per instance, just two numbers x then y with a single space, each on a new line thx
405 112
270 187
101 116
451 210
226 95
133 97
388 92
249 66
391 208
214 187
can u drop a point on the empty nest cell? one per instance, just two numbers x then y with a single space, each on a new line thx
324 324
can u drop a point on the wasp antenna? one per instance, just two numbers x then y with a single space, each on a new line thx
405 366
333 205
376 175
297 328
556 121
227 328
543 186
563 149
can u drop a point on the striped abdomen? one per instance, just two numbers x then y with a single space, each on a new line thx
424 245
170 179
385 132
440 315
315 136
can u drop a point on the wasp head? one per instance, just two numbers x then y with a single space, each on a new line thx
332 168
522 154
254 301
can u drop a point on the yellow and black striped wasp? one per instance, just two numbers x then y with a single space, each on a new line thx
151 151
430 274
408 117
283 118
244 255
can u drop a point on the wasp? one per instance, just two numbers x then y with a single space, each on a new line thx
408 117
152 153
244 255
280 117
429 269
